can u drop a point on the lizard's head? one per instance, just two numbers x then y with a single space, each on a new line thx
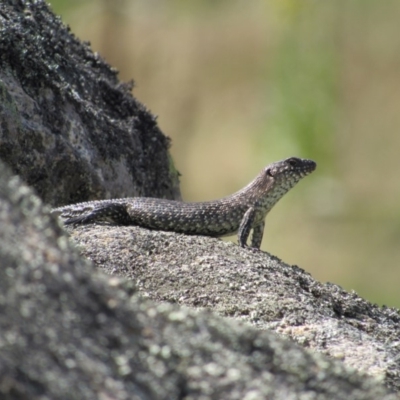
274 181
283 175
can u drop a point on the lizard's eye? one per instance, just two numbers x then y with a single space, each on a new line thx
293 162
268 172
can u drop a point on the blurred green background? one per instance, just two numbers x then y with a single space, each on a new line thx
238 84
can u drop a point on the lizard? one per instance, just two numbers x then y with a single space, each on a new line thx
238 213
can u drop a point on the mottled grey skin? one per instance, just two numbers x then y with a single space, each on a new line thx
237 213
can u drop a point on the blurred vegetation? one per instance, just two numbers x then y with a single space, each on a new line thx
239 84
304 80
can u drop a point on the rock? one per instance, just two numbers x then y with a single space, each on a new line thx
251 286
69 128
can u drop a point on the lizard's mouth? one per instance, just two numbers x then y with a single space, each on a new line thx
306 172
312 166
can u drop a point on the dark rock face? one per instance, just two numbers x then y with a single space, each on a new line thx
68 127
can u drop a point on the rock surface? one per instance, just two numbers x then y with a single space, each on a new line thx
251 286
68 127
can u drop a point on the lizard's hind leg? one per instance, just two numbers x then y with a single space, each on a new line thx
112 213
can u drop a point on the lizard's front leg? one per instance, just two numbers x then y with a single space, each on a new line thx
258 232
245 226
